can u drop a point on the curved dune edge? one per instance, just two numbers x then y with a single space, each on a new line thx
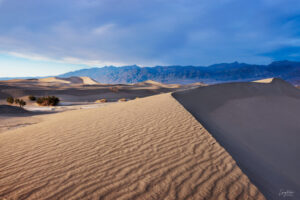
149 148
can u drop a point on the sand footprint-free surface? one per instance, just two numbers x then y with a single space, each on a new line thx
149 148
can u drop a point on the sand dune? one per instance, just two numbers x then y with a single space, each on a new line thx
7 123
53 79
267 80
157 84
259 125
149 148
88 81
70 80
82 89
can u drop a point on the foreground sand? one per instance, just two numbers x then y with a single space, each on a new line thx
9 123
149 148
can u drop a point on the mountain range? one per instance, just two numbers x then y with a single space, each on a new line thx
218 73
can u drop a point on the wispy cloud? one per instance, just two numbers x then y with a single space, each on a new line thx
104 29
65 60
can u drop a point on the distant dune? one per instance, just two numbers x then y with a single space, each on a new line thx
53 79
88 81
267 80
149 148
82 89
157 84
259 125
70 80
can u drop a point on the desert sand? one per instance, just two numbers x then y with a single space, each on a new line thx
148 148
74 92
83 89
259 125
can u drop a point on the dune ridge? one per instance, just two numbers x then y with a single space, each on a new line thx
149 148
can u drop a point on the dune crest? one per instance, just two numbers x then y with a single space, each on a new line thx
150 148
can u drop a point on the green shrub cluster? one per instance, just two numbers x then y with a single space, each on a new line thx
48 101
19 102
32 98
10 100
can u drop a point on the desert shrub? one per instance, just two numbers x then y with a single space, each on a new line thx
101 101
20 102
48 101
17 101
32 98
122 100
10 100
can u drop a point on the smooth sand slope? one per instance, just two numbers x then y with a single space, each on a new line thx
259 125
149 148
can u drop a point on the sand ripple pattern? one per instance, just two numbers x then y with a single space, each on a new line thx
149 148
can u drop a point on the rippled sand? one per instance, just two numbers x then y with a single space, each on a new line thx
149 148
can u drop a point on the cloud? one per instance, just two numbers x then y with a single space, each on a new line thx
99 63
64 60
149 32
34 57
103 29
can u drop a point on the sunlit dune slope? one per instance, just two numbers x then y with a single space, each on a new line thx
149 148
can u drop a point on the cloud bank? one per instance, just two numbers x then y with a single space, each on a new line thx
147 33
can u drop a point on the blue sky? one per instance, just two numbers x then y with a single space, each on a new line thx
55 36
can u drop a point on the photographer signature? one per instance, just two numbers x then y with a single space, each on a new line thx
286 193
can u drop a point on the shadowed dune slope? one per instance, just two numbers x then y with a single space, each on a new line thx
259 125
6 109
149 148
